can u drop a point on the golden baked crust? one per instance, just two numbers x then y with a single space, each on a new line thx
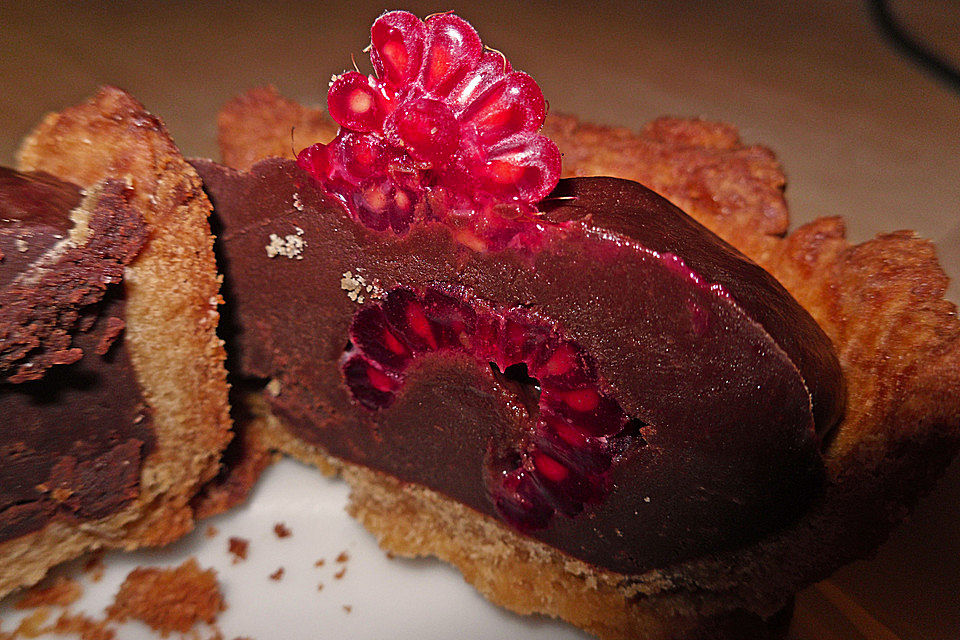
880 302
261 123
172 292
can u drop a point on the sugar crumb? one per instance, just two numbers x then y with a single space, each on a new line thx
114 328
290 246
93 565
274 387
83 627
32 625
239 548
357 287
169 599
60 592
296 202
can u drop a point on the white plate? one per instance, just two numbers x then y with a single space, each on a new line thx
388 598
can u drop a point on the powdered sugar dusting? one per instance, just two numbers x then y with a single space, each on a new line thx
357 287
290 246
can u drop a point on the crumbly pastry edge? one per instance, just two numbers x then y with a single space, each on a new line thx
172 291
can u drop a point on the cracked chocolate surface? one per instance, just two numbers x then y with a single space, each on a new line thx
76 426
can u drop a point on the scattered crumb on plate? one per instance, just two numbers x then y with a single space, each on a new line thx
83 627
169 599
60 592
238 547
93 565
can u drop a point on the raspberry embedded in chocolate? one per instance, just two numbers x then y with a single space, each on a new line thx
403 310
379 342
454 322
518 500
562 465
372 387
443 131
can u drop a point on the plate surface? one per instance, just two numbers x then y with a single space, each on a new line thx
387 598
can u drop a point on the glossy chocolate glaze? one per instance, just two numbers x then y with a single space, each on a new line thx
689 336
73 435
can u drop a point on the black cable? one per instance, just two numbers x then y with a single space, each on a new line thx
913 47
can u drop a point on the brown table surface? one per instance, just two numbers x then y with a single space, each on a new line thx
862 132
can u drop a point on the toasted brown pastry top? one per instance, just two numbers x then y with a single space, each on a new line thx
880 302
261 123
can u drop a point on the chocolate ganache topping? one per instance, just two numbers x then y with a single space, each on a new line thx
622 385
75 424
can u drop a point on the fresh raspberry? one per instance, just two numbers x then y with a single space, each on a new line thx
444 130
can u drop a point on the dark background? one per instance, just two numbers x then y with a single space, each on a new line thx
862 130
